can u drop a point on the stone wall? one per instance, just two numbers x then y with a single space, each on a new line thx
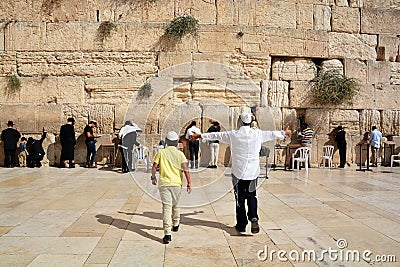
64 70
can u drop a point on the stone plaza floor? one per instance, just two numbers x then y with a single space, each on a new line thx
100 217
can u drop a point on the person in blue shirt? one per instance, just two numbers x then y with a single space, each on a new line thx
375 138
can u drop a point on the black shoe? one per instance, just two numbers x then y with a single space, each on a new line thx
210 166
255 228
166 239
341 167
240 230
175 228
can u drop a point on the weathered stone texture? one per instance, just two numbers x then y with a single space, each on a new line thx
278 93
347 118
276 14
356 69
227 41
293 69
395 73
388 21
391 122
304 16
8 63
390 44
102 64
25 36
345 19
322 18
369 118
204 11
353 46
299 94
318 119
378 72
387 97
334 64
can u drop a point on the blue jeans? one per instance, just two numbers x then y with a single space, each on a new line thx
91 152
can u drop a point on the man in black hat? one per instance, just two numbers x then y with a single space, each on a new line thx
341 144
68 143
10 137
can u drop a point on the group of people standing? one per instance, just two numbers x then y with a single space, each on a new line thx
31 151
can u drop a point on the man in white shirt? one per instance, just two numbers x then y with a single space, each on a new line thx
375 138
193 144
128 134
245 144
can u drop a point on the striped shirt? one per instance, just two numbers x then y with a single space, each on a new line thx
307 135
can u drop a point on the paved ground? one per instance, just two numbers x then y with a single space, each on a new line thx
95 217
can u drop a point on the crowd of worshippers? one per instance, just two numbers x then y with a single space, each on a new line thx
30 151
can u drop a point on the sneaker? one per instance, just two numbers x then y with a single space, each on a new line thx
166 239
240 230
175 228
255 228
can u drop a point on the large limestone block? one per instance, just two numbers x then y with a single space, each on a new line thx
142 37
297 69
104 114
387 97
356 3
41 90
378 72
381 4
94 39
182 93
276 14
388 21
345 19
269 118
395 73
293 40
318 119
144 11
205 11
353 46
172 59
25 36
255 66
364 99
289 119
64 36
369 118
96 64
316 44
322 18
207 89
32 118
2 35
242 93
299 94
333 64
217 111
347 118
304 16
227 41
356 69
111 90
390 44
228 13
8 63
247 12
278 93
391 122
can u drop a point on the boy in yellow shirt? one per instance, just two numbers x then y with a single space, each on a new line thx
172 164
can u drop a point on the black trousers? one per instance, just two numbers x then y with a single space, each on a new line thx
342 155
194 150
245 190
10 159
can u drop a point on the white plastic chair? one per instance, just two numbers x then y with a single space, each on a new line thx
392 160
303 153
327 155
141 153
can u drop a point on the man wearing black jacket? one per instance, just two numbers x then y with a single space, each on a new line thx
341 144
35 150
68 143
10 138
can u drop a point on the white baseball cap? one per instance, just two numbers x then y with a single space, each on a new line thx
172 136
245 117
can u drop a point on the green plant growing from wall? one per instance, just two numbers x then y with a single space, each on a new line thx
145 91
181 27
330 87
104 31
13 85
240 34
